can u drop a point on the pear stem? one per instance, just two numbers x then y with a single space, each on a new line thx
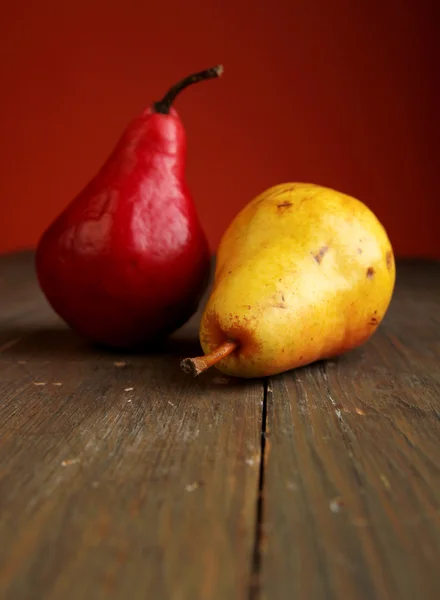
195 366
164 105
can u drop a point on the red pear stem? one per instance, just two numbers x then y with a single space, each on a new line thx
195 366
164 105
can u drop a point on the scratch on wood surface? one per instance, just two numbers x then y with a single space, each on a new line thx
336 504
69 461
291 486
385 481
10 343
191 487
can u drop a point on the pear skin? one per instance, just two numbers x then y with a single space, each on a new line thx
303 273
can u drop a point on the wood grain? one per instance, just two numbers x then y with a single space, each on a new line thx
120 477
352 479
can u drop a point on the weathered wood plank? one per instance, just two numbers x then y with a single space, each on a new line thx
107 491
352 480
130 481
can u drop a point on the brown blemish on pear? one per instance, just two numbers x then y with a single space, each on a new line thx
389 259
279 192
370 273
283 205
279 303
320 254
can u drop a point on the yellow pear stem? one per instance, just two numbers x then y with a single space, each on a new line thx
195 366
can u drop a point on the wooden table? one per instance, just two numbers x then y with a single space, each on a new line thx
120 477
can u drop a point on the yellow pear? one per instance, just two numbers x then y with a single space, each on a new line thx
303 273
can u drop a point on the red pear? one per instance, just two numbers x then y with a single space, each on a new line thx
127 261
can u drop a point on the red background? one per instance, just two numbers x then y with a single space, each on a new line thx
342 93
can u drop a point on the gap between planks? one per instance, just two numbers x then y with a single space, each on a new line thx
254 586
